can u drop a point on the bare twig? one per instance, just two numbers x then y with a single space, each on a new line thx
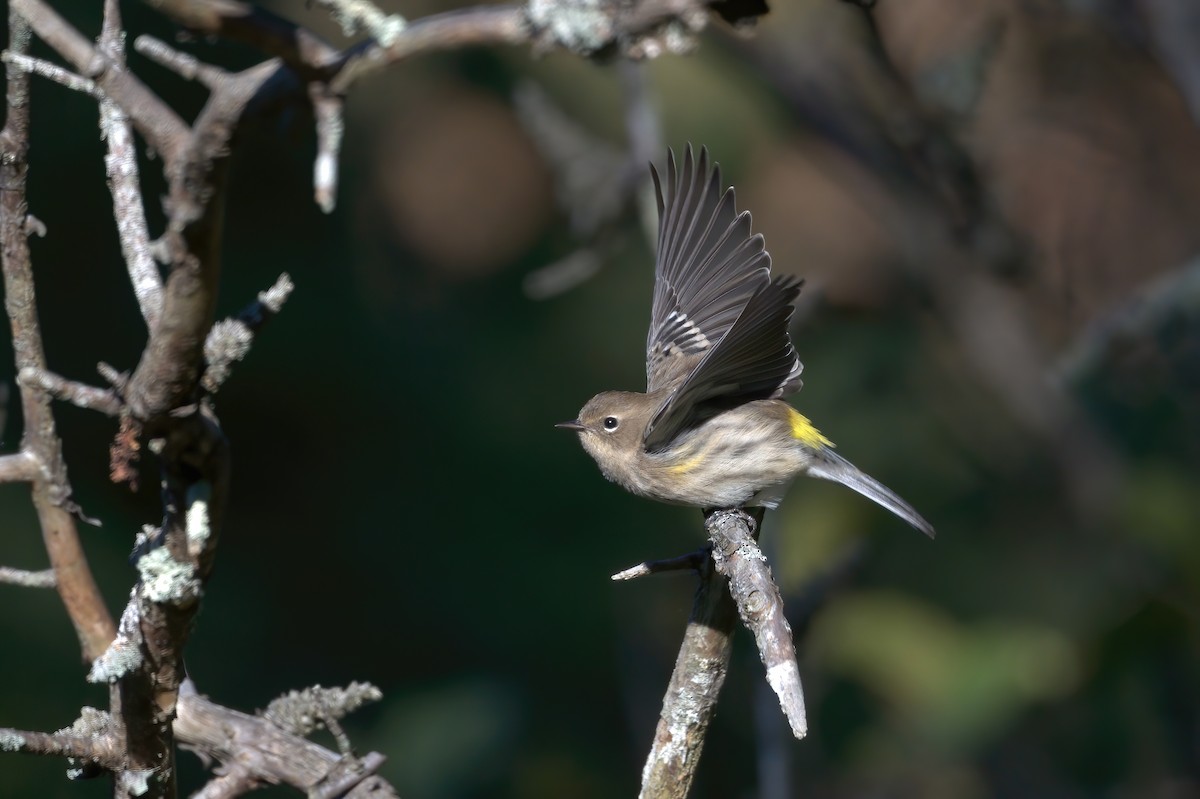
54 72
362 15
51 489
186 66
693 561
80 395
229 340
100 750
120 162
18 467
28 579
327 108
163 128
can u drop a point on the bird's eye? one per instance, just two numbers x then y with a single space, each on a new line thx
611 423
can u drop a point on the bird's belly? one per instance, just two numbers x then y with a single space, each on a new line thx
754 468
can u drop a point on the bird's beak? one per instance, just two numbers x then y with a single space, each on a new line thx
574 424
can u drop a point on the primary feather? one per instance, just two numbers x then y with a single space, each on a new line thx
718 328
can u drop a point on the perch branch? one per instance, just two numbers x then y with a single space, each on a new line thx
737 556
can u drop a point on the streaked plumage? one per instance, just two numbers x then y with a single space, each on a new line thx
711 429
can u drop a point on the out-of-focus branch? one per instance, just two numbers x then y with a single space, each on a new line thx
229 340
80 395
99 750
154 119
51 489
19 467
28 579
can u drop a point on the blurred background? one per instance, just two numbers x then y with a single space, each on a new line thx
996 207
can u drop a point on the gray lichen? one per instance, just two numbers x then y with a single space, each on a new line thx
11 741
124 654
165 579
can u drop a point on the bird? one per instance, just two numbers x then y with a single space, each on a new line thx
713 428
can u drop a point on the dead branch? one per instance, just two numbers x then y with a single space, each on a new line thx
51 489
28 579
258 746
737 556
19 467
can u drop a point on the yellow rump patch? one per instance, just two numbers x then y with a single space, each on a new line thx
803 430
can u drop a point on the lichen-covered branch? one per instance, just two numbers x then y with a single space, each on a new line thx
737 556
258 746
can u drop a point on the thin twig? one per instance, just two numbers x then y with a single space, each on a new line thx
124 184
19 467
186 66
236 781
28 579
96 749
51 489
327 108
80 395
362 15
166 132
54 72
693 561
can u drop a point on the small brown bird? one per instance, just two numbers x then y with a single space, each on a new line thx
712 430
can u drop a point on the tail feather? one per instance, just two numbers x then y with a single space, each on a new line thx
828 465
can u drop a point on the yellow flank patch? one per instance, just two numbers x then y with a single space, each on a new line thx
688 465
803 430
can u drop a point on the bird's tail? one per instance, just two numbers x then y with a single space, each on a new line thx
829 465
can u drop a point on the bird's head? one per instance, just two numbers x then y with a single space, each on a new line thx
610 427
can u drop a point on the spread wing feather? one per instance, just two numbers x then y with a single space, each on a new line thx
718 328
708 268
754 360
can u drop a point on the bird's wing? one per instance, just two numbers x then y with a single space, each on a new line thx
754 360
708 267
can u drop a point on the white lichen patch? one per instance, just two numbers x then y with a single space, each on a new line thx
197 519
581 26
11 741
165 579
124 654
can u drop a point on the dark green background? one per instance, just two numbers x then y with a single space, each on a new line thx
403 511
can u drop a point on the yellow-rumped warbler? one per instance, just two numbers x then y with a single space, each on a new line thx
710 430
